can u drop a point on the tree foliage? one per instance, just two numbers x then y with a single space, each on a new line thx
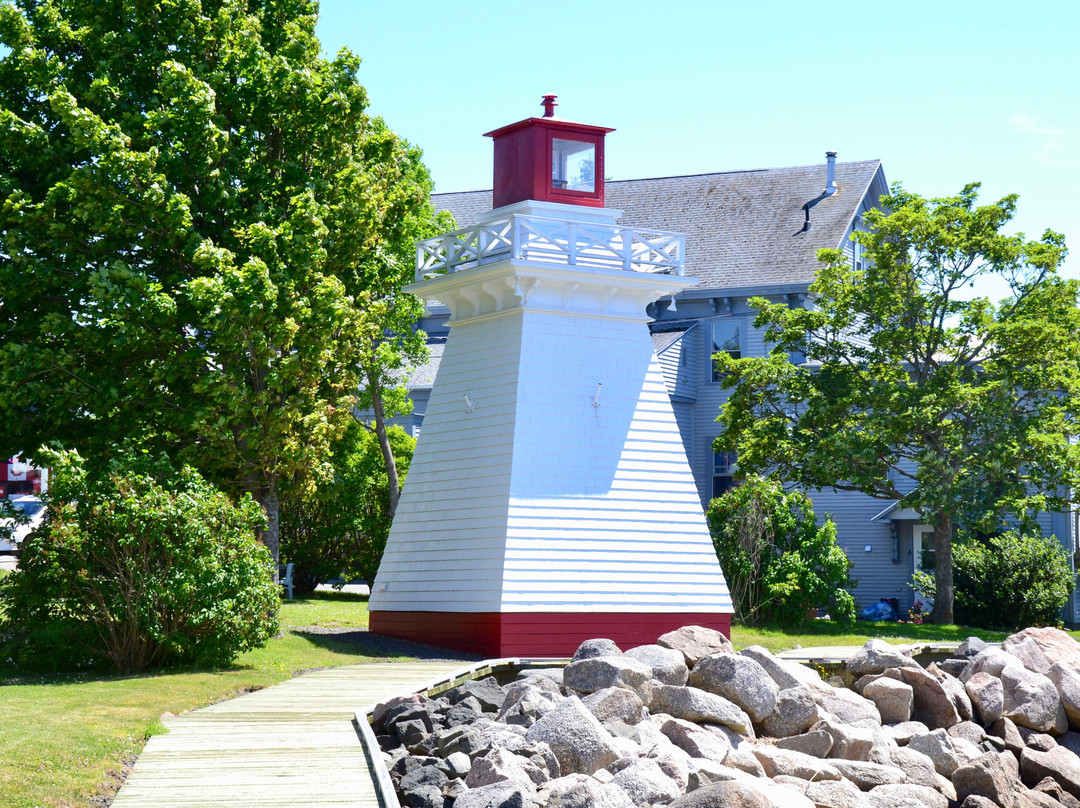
913 389
779 563
198 223
138 566
341 527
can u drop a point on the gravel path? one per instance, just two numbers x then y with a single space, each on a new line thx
386 648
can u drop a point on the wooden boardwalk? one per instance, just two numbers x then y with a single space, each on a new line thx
293 744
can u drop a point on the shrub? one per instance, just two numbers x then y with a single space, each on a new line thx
779 563
1011 581
140 565
341 527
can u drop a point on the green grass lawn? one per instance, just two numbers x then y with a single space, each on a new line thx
64 739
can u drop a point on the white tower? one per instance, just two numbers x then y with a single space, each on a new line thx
549 499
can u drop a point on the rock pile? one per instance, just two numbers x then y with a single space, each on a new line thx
692 724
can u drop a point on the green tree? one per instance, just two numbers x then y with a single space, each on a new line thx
342 525
914 390
197 218
779 563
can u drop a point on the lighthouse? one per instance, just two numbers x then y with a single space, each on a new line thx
549 499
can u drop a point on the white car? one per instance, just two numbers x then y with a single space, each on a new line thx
33 509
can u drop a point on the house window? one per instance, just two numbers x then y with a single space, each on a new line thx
726 337
856 256
723 478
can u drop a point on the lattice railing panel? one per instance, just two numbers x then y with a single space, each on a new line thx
557 241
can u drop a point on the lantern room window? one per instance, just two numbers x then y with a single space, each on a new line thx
573 165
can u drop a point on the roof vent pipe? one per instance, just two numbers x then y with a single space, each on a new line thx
830 173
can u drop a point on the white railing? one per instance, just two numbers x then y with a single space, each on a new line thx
555 241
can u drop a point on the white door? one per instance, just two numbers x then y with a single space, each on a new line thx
923 555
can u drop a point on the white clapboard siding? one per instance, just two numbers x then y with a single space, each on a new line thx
566 488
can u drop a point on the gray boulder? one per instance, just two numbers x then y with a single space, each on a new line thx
1049 787
933 705
645 783
489 693
579 791
615 704
995 776
1059 763
577 739
739 679
528 699
816 743
1009 734
783 671
851 743
941 749
422 776
1031 700
696 741
699 706
991 660
954 690
970 731
894 699
987 697
846 705
695 642
1067 682
970 647
668 665
456 765
837 794
794 713
903 732
595 673
499 765
596 648
918 767
876 656
867 775
907 795
676 766
776 761
497 795
1053 645
726 794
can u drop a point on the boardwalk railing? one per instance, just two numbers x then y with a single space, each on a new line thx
555 241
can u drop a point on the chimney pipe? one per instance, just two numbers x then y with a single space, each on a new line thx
830 173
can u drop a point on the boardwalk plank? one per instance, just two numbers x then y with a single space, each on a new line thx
290 744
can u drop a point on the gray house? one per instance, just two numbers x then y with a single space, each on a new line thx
748 234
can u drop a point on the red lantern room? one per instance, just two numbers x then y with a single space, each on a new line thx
549 160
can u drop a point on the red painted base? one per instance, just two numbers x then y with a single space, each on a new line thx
530 634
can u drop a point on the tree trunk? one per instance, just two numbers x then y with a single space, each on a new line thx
384 443
943 568
272 535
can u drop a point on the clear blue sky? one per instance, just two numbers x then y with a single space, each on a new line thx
944 92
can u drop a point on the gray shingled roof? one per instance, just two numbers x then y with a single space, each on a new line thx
743 228
423 375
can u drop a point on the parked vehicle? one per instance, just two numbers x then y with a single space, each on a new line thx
32 512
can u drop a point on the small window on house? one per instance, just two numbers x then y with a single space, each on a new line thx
723 472
856 256
726 337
